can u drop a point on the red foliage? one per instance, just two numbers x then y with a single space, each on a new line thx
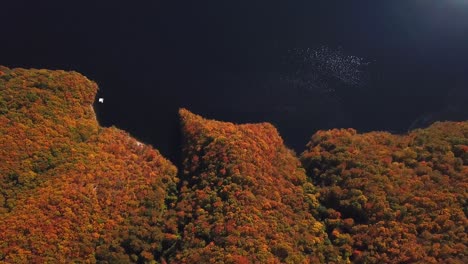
397 195
71 191
247 194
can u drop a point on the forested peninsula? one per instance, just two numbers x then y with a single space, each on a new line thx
72 191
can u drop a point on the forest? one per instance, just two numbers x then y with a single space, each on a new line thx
72 191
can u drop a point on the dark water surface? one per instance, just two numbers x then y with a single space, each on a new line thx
226 61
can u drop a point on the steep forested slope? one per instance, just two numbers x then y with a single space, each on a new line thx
70 190
394 199
245 198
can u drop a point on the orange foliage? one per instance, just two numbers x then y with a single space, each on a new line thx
70 190
397 196
245 197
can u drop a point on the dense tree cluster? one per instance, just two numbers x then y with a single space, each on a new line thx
72 191
69 190
394 199
245 198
